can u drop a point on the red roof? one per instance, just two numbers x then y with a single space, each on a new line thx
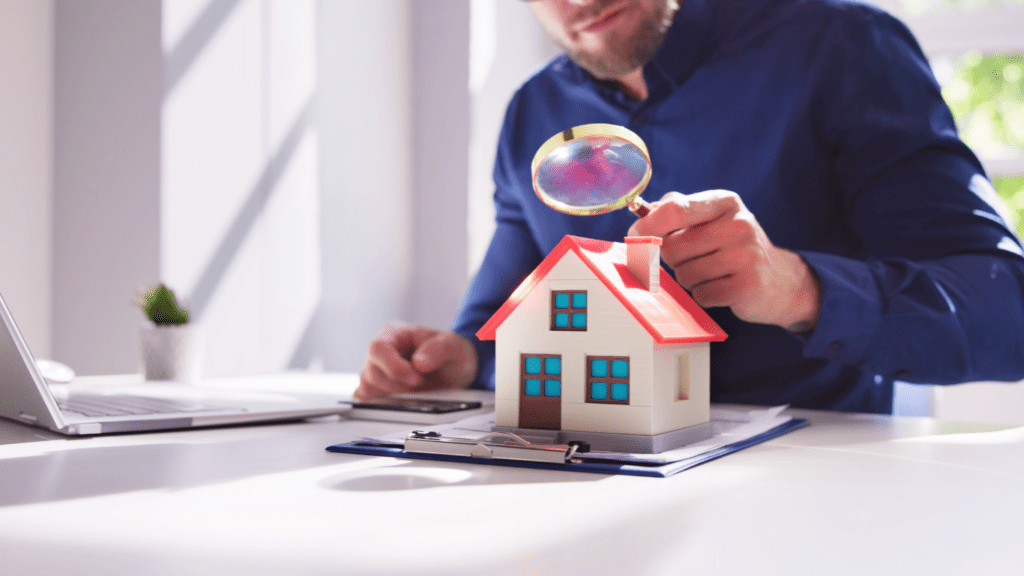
670 315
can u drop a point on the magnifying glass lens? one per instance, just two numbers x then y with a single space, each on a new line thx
592 172
592 169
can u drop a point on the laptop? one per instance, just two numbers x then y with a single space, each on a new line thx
26 397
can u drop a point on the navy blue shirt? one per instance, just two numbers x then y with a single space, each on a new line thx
826 120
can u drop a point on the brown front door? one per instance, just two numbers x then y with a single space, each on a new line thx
540 391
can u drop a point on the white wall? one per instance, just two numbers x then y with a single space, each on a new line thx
239 194
366 170
172 162
441 138
108 85
507 45
26 157
268 160
394 137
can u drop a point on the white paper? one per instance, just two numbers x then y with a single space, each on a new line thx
728 426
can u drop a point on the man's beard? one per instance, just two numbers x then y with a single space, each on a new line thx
627 54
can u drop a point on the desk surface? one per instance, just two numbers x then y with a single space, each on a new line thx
850 494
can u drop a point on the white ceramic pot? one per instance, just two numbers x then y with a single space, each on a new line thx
172 352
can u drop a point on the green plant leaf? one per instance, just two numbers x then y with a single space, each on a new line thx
162 308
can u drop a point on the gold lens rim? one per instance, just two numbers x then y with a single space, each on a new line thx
583 131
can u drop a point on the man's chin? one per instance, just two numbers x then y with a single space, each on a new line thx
620 56
605 68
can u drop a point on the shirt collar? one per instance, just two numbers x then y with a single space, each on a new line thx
686 45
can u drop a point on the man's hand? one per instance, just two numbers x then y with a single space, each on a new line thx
415 358
724 258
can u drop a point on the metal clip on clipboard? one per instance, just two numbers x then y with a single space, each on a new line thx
496 445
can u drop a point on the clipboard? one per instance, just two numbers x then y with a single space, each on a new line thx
590 462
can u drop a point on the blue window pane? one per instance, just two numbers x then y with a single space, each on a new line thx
532 387
532 365
561 300
599 390
552 387
620 391
579 320
561 320
620 368
599 368
553 366
579 301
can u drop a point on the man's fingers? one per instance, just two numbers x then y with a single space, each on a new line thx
675 211
388 368
696 243
681 247
721 291
405 339
449 353
374 383
394 349
733 238
433 353
391 362
442 348
370 383
405 358
735 260
702 269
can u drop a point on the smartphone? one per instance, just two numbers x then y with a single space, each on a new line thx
417 405
414 410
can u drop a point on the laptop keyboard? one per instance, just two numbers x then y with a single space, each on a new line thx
99 406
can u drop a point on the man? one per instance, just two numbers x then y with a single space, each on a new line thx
833 223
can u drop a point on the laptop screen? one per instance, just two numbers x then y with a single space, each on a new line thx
24 396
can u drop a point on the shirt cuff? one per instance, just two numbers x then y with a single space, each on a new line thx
851 309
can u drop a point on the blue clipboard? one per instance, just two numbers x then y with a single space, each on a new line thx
584 463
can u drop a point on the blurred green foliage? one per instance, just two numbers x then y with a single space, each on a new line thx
986 95
1011 190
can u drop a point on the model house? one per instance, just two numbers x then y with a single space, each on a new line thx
599 344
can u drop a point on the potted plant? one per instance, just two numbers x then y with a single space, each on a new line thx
171 346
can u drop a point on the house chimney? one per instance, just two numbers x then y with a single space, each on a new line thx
643 259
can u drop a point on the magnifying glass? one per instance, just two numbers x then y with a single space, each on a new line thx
593 169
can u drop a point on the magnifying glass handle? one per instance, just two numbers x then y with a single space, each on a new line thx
640 207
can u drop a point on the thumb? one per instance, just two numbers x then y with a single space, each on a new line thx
434 352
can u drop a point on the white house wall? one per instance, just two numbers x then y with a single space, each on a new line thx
611 331
669 412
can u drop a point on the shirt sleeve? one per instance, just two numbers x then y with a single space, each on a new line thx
510 258
939 295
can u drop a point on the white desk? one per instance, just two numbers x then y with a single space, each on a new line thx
850 494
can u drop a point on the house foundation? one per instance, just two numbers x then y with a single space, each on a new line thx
610 442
